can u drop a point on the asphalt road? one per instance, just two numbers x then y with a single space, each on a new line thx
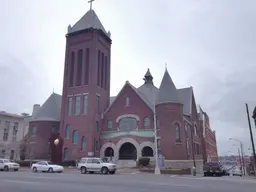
24 181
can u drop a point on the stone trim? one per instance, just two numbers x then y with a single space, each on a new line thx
147 144
126 140
127 115
105 146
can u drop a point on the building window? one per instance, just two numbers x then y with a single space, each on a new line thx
5 136
106 72
177 133
34 130
15 131
98 103
87 66
96 145
67 131
85 104
65 154
146 123
69 106
187 144
127 124
72 69
75 137
110 124
127 101
97 126
195 130
98 71
83 144
102 71
77 105
79 68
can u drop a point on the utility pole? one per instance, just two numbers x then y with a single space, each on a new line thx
253 147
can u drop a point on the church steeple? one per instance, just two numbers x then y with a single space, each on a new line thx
148 78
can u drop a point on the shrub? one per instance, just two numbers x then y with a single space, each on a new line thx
26 163
144 161
68 163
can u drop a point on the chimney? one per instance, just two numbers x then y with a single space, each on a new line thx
35 109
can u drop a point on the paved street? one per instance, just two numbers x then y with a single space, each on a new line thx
133 182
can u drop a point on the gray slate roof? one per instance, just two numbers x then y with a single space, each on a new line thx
167 91
89 20
148 93
50 110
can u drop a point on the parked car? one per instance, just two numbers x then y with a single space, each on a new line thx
92 165
46 166
6 165
213 169
236 171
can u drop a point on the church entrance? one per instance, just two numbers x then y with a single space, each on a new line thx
127 152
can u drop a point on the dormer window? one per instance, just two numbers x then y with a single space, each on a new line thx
127 101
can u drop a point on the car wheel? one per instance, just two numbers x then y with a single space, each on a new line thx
50 170
83 170
34 169
59 171
15 169
6 168
112 172
104 170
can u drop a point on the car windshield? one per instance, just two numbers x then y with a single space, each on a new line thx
105 160
6 161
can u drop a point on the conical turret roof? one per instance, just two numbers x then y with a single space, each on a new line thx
167 91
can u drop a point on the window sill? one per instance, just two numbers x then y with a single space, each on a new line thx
178 142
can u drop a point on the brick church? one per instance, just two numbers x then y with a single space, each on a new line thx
88 122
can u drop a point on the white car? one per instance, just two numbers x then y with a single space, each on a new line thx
236 172
6 165
92 165
45 166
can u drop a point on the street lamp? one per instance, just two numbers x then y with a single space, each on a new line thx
242 153
157 169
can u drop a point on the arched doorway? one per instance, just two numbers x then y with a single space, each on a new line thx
147 152
109 152
127 152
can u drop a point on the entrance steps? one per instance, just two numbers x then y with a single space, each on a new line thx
125 163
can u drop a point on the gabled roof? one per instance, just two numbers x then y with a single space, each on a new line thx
89 20
140 94
50 110
167 91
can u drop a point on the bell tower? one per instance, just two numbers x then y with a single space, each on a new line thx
86 86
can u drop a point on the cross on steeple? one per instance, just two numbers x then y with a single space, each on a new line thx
91 3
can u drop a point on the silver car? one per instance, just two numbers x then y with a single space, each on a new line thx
92 165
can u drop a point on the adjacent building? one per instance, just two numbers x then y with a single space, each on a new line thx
12 131
88 122
208 137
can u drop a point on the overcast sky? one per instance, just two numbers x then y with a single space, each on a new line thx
207 44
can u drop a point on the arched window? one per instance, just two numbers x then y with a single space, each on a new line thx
83 144
34 130
127 101
177 133
97 126
75 137
110 124
67 131
146 123
66 154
